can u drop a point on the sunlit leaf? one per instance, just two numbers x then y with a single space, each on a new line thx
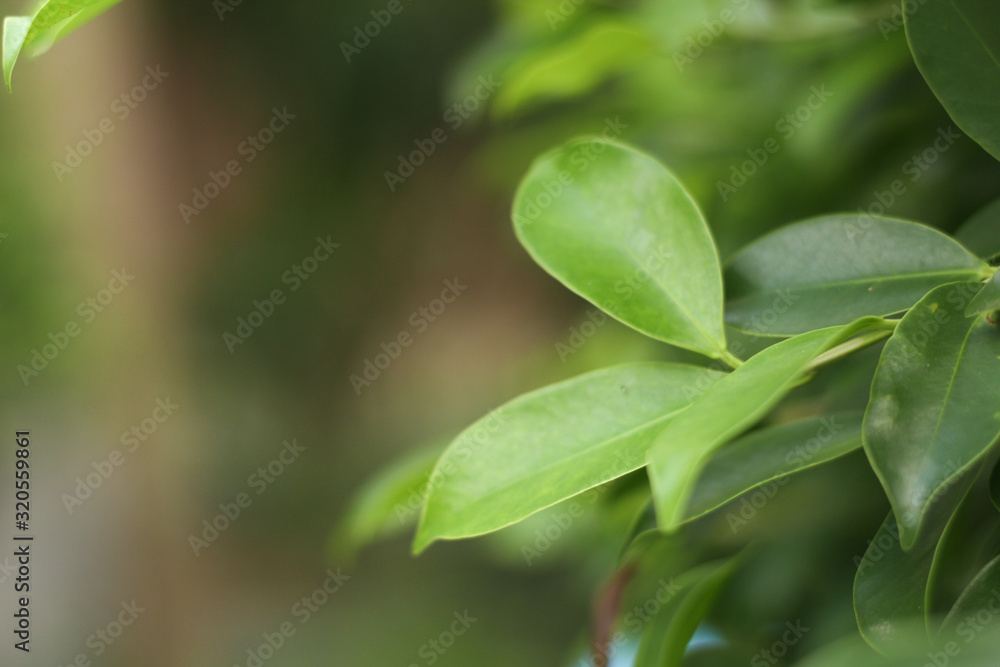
616 227
52 21
552 444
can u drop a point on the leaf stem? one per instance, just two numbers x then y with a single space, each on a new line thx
853 345
730 359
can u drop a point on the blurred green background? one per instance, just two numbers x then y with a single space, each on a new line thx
696 91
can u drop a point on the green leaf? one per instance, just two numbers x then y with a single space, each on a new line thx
614 226
772 454
995 486
387 503
981 232
981 597
730 406
53 20
988 298
956 44
832 270
551 444
667 635
15 29
934 402
892 585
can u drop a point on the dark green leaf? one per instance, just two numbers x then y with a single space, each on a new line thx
772 454
552 444
956 44
981 232
614 226
832 270
977 610
666 636
934 402
892 586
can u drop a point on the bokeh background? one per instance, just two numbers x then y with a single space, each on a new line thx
696 96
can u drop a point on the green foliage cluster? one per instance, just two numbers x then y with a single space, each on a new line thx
619 229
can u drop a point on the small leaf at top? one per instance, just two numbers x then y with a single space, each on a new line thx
614 226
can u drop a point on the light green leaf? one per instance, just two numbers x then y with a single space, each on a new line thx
730 406
53 20
551 444
934 402
988 298
572 66
772 454
892 587
956 44
617 228
386 504
981 232
667 635
15 29
832 270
